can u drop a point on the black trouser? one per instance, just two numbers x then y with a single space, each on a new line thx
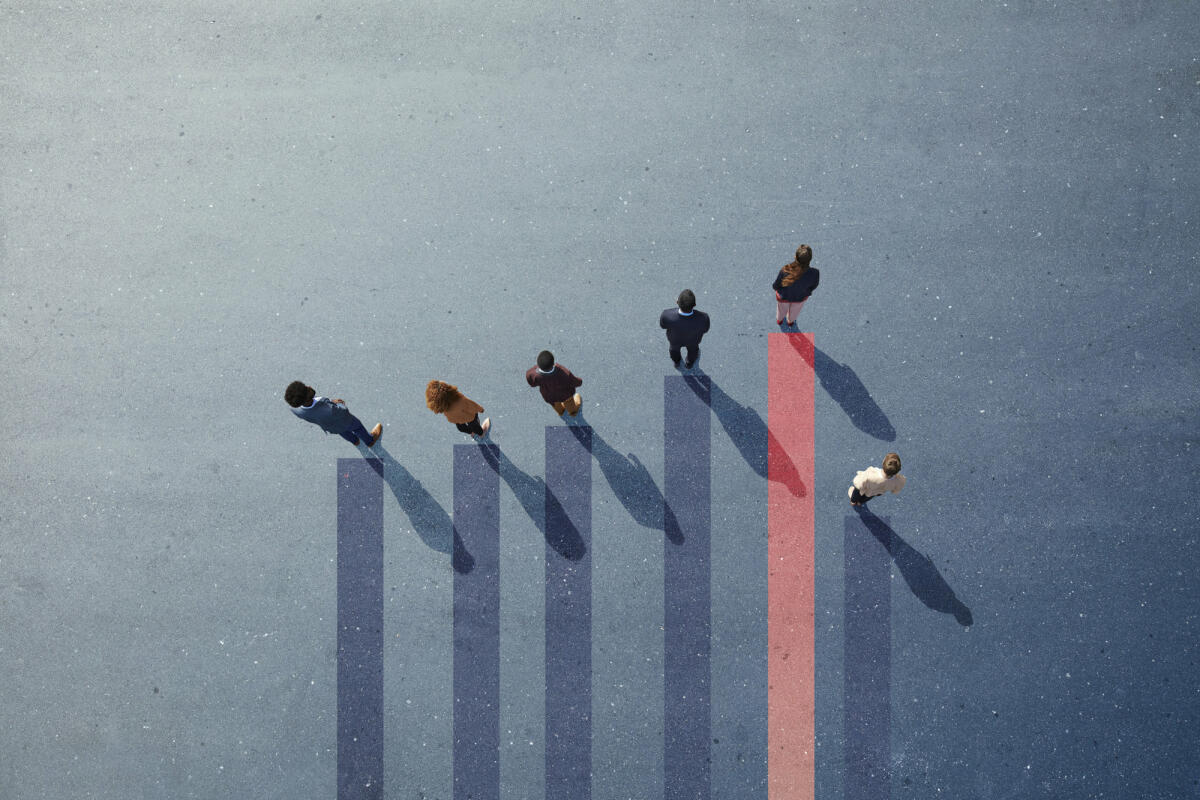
859 497
693 352
470 427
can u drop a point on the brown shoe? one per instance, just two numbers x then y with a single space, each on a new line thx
578 401
376 433
487 425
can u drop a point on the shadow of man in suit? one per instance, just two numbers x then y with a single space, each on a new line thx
430 521
754 440
917 570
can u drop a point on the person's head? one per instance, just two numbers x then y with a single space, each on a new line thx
891 464
439 396
545 361
686 301
803 256
298 394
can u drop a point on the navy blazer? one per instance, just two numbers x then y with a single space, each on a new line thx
801 289
683 330
326 414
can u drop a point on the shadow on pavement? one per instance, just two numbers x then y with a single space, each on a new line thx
430 521
917 570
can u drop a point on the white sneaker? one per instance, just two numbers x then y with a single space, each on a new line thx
487 425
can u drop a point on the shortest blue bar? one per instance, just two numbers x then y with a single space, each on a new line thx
360 629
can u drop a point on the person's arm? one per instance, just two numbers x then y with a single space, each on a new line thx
531 376
900 481
662 319
575 381
475 407
707 323
778 284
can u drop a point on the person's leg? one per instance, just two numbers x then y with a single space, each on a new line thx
693 355
781 310
675 357
572 404
465 427
793 310
559 408
357 432
474 428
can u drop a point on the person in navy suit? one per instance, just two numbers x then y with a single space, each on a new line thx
685 327
331 416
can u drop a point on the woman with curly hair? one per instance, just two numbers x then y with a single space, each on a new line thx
442 398
793 286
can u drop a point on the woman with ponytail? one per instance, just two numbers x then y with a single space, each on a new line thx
794 285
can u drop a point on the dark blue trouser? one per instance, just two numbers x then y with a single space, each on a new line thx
357 433
693 352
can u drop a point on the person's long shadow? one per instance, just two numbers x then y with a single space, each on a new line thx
755 441
633 485
431 522
535 497
844 386
917 570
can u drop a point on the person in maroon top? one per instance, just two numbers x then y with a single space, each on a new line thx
556 384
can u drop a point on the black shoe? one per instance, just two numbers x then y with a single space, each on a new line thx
355 442
676 362
689 364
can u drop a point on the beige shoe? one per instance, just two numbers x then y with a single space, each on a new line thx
487 425
376 434
578 401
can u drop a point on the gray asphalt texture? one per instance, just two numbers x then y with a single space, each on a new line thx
200 202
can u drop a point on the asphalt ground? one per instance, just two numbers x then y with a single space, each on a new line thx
202 202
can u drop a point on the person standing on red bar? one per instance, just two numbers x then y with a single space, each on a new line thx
331 416
442 398
556 383
873 481
793 286
685 327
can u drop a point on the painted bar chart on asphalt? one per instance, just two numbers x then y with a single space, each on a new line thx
791 529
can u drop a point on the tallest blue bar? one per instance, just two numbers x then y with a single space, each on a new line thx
360 629
687 581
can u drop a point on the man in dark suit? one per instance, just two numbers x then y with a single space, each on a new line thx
331 416
685 327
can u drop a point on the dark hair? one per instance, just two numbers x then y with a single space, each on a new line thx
891 464
545 360
439 396
686 301
792 271
297 394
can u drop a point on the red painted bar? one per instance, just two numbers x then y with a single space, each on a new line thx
791 656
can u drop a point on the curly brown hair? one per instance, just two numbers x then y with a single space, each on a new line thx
798 267
439 396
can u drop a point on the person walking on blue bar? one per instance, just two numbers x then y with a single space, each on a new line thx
873 481
556 383
331 416
793 286
685 327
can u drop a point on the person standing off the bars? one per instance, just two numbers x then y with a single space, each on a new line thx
793 286
873 481
685 327
331 416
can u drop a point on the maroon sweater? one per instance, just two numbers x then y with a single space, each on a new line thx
557 387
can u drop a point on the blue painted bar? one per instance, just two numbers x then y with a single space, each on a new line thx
477 625
687 459
868 662
568 613
360 629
